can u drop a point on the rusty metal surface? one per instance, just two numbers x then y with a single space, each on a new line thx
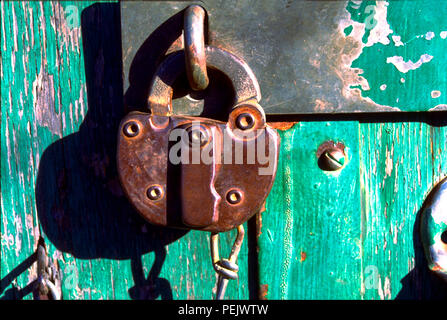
243 82
297 51
215 195
187 201
434 229
194 38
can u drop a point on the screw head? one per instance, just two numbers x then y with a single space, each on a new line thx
131 129
154 192
245 121
234 196
332 159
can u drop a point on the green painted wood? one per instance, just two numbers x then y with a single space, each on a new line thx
401 162
371 242
402 52
351 235
61 105
310 235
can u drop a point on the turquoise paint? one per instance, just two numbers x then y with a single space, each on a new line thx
423 88
348 30
363 13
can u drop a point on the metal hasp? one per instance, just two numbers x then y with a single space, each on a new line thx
434 229
310 57
193 172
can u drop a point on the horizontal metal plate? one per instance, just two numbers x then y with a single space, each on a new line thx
308 56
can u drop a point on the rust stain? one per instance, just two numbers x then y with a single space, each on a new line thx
263 291
303 256
259 224
283 126
321 105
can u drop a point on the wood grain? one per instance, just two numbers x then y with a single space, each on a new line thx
61 105
346 235
310 236
401 162
334 245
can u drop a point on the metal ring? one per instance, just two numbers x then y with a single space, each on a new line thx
195 56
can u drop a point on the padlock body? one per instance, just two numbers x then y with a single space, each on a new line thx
195 173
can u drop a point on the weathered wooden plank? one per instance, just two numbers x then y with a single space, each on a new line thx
401 61
309 243
400 164
61 105
30 119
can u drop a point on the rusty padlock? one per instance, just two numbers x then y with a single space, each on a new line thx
228 183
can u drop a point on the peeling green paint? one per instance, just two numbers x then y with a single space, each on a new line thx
316 244
405 65
348 30
45 104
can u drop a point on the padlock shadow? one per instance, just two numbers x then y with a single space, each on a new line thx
81 206
420 283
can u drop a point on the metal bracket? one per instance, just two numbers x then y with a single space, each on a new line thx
434 229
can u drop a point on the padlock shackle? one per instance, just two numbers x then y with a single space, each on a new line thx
244 82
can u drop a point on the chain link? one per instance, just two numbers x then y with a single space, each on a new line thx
48 277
